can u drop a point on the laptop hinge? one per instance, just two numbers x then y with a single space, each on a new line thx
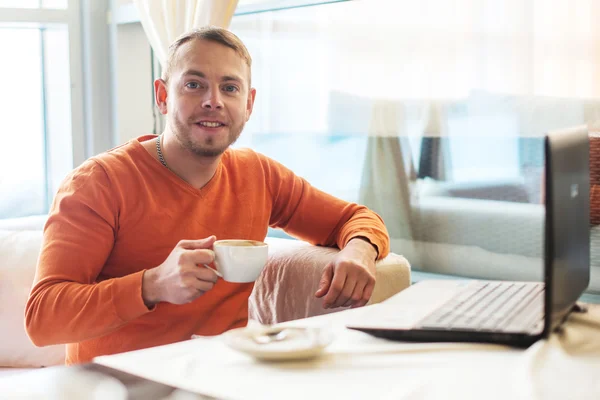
560 317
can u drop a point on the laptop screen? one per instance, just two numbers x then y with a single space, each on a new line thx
567 243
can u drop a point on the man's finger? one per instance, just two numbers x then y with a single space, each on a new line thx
202 273
357 294
205 243
338 285
366 296
335 289
199 256
346 293
200 285
325 281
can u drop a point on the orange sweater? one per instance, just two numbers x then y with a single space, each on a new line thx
122 212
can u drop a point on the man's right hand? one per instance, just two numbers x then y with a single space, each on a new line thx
181 278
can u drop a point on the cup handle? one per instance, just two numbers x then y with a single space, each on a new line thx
214 270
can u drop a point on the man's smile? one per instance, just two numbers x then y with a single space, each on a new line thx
210 124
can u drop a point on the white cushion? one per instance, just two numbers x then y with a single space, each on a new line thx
19 251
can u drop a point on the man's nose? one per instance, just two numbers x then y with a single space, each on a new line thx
212 100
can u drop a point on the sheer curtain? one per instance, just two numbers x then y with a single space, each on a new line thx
384 186
530 64
164 21
443 49
452 68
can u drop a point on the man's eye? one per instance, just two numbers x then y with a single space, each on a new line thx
192 85
230 88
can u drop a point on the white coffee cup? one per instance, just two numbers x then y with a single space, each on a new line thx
240 260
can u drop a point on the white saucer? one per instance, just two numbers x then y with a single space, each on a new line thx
299 343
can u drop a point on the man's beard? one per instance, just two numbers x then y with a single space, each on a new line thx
183 135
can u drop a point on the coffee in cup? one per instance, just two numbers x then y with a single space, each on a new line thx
240 260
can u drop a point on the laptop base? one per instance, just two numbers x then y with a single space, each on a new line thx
445 336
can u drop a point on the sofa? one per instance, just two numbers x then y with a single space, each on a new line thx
481 237
284 291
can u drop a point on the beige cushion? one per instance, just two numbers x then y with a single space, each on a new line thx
18 256
285 290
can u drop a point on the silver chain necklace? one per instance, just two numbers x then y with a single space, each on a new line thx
159 152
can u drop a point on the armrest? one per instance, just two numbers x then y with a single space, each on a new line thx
286 288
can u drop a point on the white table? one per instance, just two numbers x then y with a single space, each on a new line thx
358 366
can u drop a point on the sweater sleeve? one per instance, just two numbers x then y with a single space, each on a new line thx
310 214
67 302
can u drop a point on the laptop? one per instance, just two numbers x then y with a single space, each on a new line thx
512 313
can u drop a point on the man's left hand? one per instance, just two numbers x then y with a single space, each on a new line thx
348 280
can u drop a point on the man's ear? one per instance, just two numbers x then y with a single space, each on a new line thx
160 95
250 103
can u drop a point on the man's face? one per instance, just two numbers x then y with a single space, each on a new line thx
207 99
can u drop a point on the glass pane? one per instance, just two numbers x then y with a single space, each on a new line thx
434 116
58 103
22 165
37 119
61 4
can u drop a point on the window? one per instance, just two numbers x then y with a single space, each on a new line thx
431 113
22 172
38 134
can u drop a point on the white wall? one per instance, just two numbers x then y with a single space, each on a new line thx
134 83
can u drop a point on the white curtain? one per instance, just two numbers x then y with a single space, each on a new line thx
444 49
469 67
165 20
386 174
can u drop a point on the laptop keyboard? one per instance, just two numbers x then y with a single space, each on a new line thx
491 306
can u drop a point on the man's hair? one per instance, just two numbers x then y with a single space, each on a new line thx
210 33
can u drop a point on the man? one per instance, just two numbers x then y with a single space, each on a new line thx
129 230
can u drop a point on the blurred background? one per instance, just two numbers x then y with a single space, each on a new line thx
430 112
